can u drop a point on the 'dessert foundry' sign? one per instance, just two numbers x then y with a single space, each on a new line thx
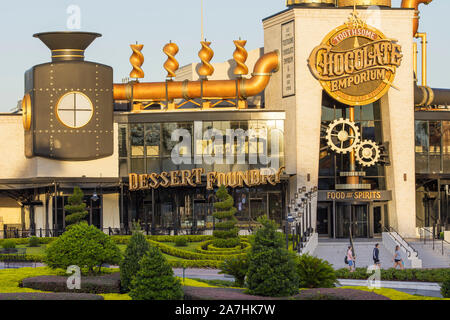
356 63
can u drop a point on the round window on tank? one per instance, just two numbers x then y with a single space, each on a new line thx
74 110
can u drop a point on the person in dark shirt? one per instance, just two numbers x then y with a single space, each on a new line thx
376 256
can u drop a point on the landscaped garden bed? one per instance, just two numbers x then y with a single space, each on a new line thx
199 293
49 296
109 283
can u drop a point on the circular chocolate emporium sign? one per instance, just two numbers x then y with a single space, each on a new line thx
356 63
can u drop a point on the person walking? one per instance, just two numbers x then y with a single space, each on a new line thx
398 261
350 259
376 256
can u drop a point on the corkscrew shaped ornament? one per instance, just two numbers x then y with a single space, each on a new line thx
171 65
137 60
205 55
240 56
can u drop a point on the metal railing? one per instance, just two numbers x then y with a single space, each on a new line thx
391 231
434 237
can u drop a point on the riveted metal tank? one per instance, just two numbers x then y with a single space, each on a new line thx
311 3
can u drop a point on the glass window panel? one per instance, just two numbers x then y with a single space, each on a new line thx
137 140
367 112
435 137
422 140
167 130
152 139
137 165
123 141
327 114
67 117
153 165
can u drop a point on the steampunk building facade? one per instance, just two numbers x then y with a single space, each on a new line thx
336 131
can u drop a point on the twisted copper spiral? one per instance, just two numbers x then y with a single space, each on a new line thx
205 55
171 65
240 56
137 60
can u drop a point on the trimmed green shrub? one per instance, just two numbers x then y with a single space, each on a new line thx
213 264
155 279
137 247
236 267
445 288
8 244
185 254
272 268
225 233
76 209
315 273
424 275
33 241
84 246
181 242
21 258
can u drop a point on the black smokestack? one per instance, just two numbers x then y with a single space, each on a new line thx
67 46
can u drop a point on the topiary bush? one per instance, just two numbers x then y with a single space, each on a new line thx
33 241
84 246
155 279
225 233
315 273
445 288
236 267
137 247
272 268
181 242
76 209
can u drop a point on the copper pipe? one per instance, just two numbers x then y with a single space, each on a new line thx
423 37
415 60
415 4
226 89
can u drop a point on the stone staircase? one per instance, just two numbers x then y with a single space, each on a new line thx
335 251
432 258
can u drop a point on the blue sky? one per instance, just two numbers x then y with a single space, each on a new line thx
154 23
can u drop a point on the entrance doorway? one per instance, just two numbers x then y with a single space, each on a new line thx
325 219
354 216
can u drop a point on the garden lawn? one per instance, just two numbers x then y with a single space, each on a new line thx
394 294
10 279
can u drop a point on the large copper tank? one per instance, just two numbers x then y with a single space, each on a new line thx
364 3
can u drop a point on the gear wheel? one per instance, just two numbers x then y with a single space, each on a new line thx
340 137
367 153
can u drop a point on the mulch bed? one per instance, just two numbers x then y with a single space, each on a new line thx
194 293
109 283
49 296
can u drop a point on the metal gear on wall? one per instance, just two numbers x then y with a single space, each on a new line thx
342 136
367 153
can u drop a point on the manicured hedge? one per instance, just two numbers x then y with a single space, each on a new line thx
188 254
21 258
207 247
212 264
189 238
422 275
109 283
25 241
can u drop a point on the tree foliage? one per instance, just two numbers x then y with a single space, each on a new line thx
155 279
76 209
272 268
84 246
315 273
137 247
